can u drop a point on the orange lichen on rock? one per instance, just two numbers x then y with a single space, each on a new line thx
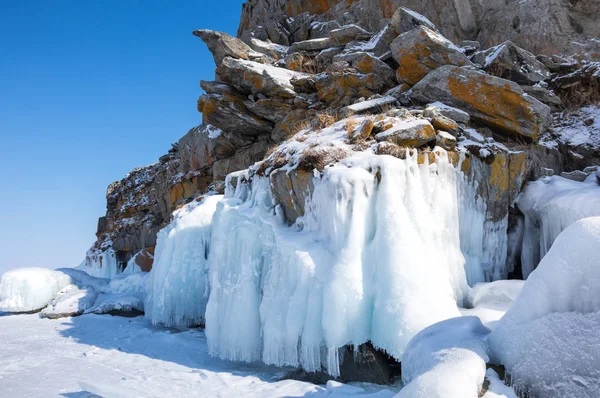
502 106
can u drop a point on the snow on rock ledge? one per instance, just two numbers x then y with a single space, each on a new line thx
30 289
548 341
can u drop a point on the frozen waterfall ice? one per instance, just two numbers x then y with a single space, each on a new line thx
377 257
177 288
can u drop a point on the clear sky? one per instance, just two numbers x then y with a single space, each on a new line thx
88 91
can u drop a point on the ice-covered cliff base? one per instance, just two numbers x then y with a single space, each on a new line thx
376 257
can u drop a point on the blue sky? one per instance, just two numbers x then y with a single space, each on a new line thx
88 91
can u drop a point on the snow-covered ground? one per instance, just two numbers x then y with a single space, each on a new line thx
128 357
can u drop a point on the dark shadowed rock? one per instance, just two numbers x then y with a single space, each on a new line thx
366 63
513 63
228 112
545 96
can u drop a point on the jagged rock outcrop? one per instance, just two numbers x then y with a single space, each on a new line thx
421 50
512 62
547 27
370 77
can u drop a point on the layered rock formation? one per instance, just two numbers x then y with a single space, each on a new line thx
547 26
395 79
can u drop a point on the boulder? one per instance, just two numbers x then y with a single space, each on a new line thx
492 101
366 63
296 61
325 57
545 96
438 108
445 140
412 133
341 88
359 131
441 122
273 50
576 175
378 45
222 45
304 84
348 33
253 78
313 45
513 63
372 106
405 20
228 112
422 50
470 46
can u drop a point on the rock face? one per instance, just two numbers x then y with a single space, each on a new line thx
222 45
538 26
378 79
490 100
141 204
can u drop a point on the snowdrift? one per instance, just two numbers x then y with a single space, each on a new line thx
30 289
549 339
446 360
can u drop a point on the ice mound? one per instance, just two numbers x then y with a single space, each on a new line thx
548 341
446 360
30 289
178 283
70 301
125 304
377 257
490 301
550 205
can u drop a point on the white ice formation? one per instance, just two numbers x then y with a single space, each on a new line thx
30 289
178 283
549 339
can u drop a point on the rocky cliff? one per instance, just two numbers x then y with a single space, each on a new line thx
397 81
543 26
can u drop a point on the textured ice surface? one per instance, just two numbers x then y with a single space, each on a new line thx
178 285
376 257
100 264
550 205
446 360
70 301
126 357
549 339
30 289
